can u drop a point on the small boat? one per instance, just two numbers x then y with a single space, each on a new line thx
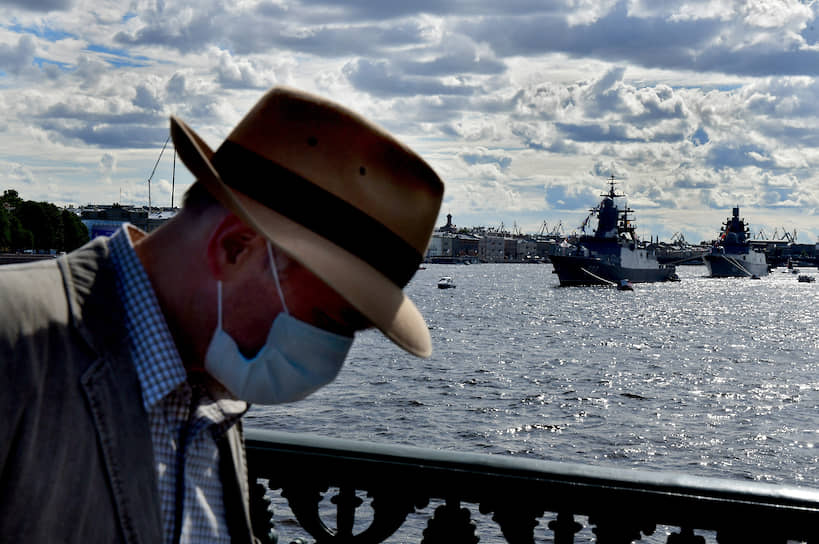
446 283
804 278
625 285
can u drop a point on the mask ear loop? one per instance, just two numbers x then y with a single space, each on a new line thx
219 304
276 277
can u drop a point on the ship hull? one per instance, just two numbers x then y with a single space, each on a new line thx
736 265
577 270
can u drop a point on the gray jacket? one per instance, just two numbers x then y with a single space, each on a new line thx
76 459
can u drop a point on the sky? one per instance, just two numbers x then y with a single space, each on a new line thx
524 107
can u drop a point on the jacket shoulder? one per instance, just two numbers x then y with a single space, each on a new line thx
31 294
49 291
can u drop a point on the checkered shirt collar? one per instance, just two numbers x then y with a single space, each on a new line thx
157 361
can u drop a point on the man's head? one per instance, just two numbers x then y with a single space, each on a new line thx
349 209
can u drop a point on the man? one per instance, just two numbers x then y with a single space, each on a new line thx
127 364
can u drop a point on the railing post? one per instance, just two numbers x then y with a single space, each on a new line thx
685 536
564 528
613 530
260 516
450 524
304 498
517 518
346 504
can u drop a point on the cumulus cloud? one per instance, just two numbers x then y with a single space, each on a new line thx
19 174
40 5
147 97
107 166
380 78
457 54
524 106
90 71
239 73
18 57
481 155
569 196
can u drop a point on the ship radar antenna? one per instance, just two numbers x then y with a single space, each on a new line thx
612 192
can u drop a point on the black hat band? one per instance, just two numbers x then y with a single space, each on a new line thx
304 202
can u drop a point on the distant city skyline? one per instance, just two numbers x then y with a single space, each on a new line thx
524 108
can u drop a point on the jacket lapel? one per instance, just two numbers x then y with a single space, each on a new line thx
233 473
125 441
113 392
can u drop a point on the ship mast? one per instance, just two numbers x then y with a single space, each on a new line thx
624 225
612 194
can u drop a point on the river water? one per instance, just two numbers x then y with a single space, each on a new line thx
716 377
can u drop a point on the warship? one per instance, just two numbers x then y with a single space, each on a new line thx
613 253
732 254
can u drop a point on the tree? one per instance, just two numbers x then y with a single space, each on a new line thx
11 198
35 217
21 237
5 229
74 232
25 224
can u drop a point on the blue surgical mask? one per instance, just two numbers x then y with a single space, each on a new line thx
296 360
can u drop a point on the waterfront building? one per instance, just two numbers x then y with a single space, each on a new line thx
449 227
452 247
440 245
447 245
526 249
491 248
105 219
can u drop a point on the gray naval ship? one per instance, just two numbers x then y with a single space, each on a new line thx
732 254
613 254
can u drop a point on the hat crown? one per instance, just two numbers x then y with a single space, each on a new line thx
339 194
347 156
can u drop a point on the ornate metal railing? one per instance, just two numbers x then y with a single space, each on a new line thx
527 498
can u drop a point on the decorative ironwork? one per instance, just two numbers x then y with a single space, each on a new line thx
346 503
389 510
451 524
750 533
564 528
619 529
685 536
517 518
304 501
260 514
621 505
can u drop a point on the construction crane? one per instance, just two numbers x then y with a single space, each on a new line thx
678 239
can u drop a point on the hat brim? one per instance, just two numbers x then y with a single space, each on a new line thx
366 289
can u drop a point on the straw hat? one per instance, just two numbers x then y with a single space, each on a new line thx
337 193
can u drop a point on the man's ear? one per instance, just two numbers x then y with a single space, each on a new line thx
229 246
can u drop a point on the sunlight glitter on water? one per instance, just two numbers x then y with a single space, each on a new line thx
682 376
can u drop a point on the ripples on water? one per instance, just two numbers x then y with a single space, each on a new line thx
714 377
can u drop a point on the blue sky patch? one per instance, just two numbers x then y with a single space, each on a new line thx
46 33
119 58
39 61
115 52
700 137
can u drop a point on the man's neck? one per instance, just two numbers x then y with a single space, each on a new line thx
176 271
